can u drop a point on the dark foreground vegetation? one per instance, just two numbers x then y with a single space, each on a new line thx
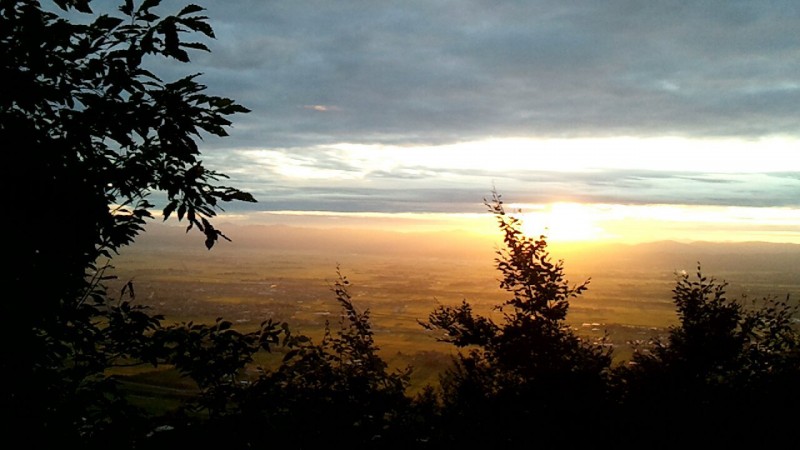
99 133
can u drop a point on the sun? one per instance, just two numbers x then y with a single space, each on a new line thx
562 222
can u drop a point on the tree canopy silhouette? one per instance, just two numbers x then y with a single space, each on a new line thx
723 376
93 131
96 131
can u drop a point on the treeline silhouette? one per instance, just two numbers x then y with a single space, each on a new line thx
97 132
726 375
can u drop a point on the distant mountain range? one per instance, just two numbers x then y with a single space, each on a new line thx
660 255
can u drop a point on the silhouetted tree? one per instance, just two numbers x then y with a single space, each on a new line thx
339 392
724 376
93 132
520 381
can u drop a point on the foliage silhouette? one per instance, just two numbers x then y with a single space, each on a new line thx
95 133
340 385
336 392
725 362
527 373
525 380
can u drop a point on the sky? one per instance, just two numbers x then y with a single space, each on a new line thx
615 120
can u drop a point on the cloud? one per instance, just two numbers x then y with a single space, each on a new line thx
402 193
320 108
443 71
421 75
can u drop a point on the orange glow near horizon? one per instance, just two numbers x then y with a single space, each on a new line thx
570 222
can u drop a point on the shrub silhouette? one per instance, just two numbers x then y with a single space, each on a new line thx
724 375
341 386
335 392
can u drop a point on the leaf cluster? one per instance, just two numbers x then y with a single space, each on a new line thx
98 128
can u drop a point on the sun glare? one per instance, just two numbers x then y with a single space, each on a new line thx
562 222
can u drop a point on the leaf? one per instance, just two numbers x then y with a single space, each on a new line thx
169 209
290 354
195 45
198 24
190 9
147 4
127 8
82 6
129 288
107 23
